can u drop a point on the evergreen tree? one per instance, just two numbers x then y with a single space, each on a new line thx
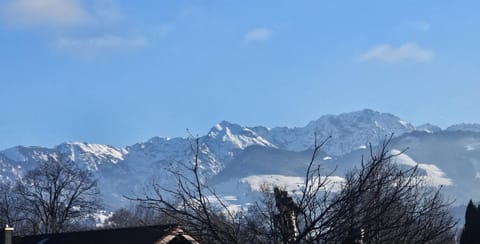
471 230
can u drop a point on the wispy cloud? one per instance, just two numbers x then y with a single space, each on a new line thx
78 27
51 13
93 44
391 54
258 34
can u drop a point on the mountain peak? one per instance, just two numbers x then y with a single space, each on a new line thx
348 130
367 111
226 127
236 135
364 117
224 124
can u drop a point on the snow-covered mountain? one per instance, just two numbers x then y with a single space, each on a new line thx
349 131
236 157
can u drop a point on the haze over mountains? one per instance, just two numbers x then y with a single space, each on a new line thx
238 159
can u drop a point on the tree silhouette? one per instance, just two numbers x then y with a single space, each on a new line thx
471 230
57 194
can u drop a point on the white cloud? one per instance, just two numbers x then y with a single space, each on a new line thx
52 13
93 44
258 34
391 54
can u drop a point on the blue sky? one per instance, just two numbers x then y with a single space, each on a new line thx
120 72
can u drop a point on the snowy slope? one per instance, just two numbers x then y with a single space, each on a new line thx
91 156
430 173
349 131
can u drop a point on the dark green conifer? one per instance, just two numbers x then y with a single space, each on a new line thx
471 230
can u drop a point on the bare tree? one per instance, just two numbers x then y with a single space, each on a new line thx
379 202
136 215
382 202
260 225
57 194
303 218
195 205
10 213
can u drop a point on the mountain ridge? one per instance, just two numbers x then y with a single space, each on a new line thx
227 146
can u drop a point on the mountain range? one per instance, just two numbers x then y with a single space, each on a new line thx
238 159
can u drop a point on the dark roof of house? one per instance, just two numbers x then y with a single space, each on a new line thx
144 234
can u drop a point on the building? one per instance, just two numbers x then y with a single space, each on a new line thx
157 234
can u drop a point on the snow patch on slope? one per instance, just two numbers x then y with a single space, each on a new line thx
434 176
404 123
472 146
429 128
289 183
92 155
101 151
